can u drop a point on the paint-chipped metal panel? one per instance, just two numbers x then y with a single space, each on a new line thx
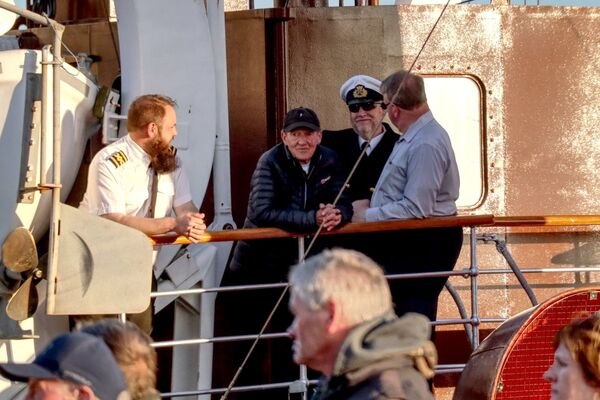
539 70
539 67
326 46
539 73
552 97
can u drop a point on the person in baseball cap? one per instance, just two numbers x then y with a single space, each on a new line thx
301 117
293 187
73 366
301 133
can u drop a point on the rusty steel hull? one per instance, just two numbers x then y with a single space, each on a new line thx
539 73
538 70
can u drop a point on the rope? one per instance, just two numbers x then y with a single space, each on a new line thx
337 198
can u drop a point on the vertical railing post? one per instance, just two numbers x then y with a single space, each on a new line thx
44 110
474 272
300 387
301 249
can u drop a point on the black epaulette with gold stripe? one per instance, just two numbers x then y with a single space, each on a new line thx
119 158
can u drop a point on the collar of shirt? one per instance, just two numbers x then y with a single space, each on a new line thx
136 151
412 131
374 142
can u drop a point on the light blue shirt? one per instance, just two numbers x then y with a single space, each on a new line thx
420 178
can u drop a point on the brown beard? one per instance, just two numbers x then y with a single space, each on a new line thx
162 156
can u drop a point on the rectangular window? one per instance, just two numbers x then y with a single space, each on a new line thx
456 103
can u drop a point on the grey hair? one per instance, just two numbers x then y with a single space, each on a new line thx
349 278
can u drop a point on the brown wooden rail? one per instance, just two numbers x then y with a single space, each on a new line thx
365 227
548 220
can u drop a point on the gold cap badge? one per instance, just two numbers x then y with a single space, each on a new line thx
359 92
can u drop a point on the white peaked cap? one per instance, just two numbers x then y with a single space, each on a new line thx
364 80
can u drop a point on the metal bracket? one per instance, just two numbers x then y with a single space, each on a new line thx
503 249
298 390
31 138
110 120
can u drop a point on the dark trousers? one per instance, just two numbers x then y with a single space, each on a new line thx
144 319
244 313
411 251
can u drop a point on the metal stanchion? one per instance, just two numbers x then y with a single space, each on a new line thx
299 389
474 271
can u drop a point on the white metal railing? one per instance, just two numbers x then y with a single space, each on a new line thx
471 272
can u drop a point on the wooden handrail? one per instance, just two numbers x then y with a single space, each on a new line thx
548 220
364 227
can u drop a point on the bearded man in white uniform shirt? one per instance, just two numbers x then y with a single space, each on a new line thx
120 176
123 176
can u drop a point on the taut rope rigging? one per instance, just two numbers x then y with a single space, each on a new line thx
337 198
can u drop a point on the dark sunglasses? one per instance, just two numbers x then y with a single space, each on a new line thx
367 106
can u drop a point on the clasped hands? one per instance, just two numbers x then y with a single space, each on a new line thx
191 224
328 216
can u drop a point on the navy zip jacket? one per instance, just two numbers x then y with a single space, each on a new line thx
284 196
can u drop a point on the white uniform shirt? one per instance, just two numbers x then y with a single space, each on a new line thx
120 181
372 144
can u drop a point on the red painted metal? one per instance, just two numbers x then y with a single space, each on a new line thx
510 363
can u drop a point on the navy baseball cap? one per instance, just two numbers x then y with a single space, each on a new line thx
301 117
80 358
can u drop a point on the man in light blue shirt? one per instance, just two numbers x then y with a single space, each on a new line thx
419 180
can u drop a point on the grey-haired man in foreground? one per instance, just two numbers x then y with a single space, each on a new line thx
344 326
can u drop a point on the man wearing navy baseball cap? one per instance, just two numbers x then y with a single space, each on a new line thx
292 188
73 366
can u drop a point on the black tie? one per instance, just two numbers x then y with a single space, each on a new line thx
362 147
